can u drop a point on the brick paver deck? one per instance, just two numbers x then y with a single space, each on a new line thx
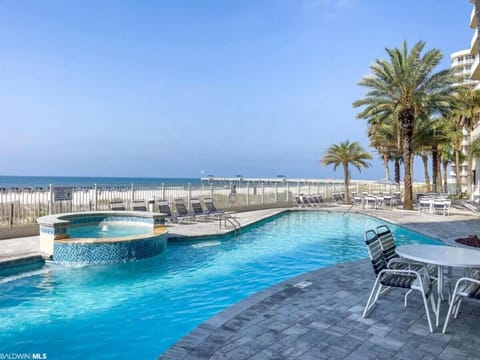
323 321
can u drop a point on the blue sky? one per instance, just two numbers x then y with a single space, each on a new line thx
171 88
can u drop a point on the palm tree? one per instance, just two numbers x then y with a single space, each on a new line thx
468 107
406 87
345 154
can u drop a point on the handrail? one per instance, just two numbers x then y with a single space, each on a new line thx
348 210
232 221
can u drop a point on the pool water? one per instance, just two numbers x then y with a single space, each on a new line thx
106 231
139 309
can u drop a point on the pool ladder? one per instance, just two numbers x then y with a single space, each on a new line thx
232 221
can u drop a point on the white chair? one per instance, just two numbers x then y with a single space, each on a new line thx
466 287
407 279
425 205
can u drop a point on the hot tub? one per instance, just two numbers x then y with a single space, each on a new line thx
102 236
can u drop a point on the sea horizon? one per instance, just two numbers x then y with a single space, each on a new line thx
12 181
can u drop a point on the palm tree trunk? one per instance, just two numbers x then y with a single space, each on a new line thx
385 166
469 164
439 175
457 173
434 168
425 169
445 175
407 121
397 170
346 182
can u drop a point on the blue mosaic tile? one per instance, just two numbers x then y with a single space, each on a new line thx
109 252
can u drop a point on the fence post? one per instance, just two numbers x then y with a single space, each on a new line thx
248 193
309 189
189 196
370 188
276 193
211 190
95 198
11 214
50 202
288 192
263 193
163 191
132 195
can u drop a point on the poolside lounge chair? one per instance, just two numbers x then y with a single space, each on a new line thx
298 202
182 211
212 209
198 210
117 205
466 287
139 205
394 278
318 199
164 208
308 200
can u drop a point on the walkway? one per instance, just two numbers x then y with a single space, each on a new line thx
323 321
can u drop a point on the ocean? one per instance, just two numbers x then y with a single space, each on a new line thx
45 181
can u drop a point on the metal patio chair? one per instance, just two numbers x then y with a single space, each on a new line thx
399 278
466 287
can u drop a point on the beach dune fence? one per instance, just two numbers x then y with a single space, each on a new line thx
24 205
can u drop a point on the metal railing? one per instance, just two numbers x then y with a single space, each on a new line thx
24 205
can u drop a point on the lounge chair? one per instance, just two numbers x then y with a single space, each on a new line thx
394 278
198 210
318 200
117 205
466 287
164 208
308 200
212 209
139 205
182 211
298 202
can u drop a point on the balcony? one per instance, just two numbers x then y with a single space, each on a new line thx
476 69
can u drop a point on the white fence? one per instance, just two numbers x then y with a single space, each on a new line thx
24 205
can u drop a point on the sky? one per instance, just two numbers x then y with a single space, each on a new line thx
185 88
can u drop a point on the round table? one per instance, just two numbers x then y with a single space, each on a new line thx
441 256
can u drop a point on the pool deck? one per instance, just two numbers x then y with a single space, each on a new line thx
323 320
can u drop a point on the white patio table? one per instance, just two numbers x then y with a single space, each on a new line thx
442 257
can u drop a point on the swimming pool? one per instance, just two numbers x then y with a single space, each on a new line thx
139 309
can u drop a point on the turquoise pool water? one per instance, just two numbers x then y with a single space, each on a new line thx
137 310
106 231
